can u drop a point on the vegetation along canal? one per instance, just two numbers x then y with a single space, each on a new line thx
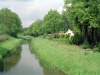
22 62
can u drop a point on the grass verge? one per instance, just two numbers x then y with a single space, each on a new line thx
8 45
70 59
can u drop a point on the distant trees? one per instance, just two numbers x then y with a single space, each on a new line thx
10 22
52 23
36 28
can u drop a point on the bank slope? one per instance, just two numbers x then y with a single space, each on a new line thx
8 45
69 58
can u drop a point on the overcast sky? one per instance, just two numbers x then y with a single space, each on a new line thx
31 10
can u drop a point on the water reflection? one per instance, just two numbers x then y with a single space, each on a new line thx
22 62
12 59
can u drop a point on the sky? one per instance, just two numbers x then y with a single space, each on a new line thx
31 10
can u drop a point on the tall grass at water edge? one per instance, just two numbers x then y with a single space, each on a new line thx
70 59
8 45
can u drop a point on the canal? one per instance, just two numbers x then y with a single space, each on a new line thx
22 62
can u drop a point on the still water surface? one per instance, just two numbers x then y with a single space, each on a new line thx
22 62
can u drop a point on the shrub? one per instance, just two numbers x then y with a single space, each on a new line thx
85 45
44 35
77 39
51 36
97 47
70 42
62 36
57 36
67 36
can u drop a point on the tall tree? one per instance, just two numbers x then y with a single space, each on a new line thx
84 15
52 21
10 21
36 28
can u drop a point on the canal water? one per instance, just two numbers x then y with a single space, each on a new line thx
22 62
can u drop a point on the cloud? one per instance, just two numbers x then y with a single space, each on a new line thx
31 10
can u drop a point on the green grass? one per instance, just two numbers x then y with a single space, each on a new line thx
8 45
3 51
25 37
71 59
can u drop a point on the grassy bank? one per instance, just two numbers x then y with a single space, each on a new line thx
71 59
8 45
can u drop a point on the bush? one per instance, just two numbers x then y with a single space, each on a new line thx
44 35
51 36
97 47
57 36
67 36
70 41
62 36
77 39
85 45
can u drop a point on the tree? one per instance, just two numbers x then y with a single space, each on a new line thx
52 22
66 23
36 28
10 22
85 16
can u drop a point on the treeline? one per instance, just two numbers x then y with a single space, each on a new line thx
10 22
83 17
51 23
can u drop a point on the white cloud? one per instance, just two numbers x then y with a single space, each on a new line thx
30 10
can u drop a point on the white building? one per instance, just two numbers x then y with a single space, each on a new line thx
70 32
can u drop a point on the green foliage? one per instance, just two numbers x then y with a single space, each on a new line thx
62 36
97 47
77 39
67 36
66 24
52 22
85 45
70 42
3 51
50 36
10 22
85 16
36 28
3 29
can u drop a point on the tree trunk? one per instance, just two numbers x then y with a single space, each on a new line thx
93 42
86 33
54 32
80 26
